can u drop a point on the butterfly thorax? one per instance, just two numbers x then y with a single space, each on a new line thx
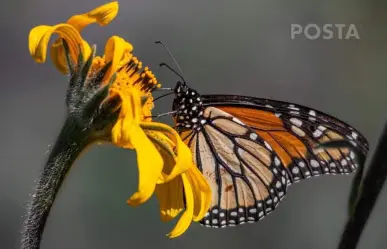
188 105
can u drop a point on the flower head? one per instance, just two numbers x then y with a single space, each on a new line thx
112 96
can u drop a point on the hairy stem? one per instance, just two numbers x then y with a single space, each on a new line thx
72 139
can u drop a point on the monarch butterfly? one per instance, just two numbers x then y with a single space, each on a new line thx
251 149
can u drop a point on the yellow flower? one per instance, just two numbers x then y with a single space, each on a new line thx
164 162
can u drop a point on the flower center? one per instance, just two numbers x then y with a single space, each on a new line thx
132 76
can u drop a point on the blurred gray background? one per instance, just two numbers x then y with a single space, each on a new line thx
239 47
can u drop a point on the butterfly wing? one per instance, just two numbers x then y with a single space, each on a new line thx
246 176
251 149
293 131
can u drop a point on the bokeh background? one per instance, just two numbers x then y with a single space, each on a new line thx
239 47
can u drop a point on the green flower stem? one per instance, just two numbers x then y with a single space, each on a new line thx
90 119
71 141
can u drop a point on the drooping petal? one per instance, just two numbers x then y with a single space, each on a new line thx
130 104
170 196
117 135
135 105
39 38
183 160
150 165
102 15
186 219
128 134
58 54
166 148
118 131
184 155
201 192
118 51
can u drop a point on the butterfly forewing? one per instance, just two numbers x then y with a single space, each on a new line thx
294 131
246 176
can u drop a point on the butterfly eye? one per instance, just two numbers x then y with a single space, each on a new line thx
178 87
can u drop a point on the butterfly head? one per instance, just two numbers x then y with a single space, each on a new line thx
188 105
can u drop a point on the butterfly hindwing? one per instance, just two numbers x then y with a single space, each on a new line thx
246 176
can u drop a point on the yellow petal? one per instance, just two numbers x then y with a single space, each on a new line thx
183 162
186 219
161 138
134 104
58 56
150 164
201 191
102 15
127 133
117 135
166 129
166 148
130 112
39 38
184 155
170 196
117 51
118 130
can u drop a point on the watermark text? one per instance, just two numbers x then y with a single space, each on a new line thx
325 32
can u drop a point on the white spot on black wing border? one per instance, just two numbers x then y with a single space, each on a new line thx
315 130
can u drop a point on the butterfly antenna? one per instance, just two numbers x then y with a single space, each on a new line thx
173 70
174 60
